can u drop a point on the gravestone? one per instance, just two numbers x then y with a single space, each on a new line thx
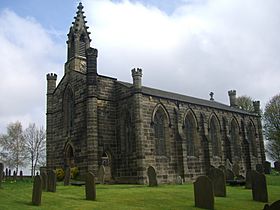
21 175
259 168
229 175
259 188
37 191
218 179
152 176
15 176
203 193
248 180
101 174
1 173
44 177
179 180
235 169
267 167
7 172
273 206
277 165
90 187
228 164
67 176
51 181
10 173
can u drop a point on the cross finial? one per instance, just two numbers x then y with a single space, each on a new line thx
211 96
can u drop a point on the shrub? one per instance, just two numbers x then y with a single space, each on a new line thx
59 174
74 172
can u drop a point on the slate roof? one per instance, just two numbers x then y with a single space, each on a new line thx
188 99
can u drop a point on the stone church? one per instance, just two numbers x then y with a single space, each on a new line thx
95 120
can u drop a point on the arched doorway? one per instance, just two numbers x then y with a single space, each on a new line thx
69 156
106 161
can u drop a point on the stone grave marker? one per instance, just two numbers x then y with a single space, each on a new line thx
90 187
7 172
51 187
14 176
259 168
267 167
179 180
37 191
248 180
218 179
259 188
274 206
44 177
204 193
101 174
21 175
277 165
67 176
10 173
235 169
152 176
1 173
229 175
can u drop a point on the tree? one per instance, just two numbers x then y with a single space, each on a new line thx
35 139
13 146
245 103
272 127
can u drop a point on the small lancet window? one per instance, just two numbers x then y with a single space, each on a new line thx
82 47
234 136
252 139
159 129
214 137
190 135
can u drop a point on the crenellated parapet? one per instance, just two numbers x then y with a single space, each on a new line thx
51 79
137 78
232 98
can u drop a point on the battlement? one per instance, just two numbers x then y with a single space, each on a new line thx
232 98
136 72
232 92
51 76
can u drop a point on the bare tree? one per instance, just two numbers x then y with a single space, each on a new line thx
245 103
35 139
272 127
13 146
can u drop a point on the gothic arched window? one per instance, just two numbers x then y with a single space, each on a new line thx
68 110
82 47
159 128
252 138
214 137
234 137
190 134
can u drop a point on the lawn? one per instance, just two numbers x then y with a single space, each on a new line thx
17 195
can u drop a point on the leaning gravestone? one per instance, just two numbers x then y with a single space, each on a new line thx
267 167
273 206
152 176
179 180
235 169
229 175
203 193
248 180
218 179
101 174
37 191
259 188
44 177
277 165
67 176
90 187
1 173
259 168
51 181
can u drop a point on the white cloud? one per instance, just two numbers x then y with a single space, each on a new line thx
27 53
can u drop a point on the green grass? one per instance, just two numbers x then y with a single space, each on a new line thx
128 197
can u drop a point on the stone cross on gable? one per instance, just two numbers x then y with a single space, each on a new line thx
211 96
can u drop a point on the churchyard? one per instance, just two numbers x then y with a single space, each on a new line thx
18 195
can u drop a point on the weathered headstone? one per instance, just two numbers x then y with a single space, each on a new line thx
259 188
179 180
235 169
229 175
90 187
1 173
10 173
204 193
37 191
248 180
228 164
218 179
15 176
101 174
21 175
44 177
67 176
152 176
51 181
259 168
277 165
7 172
274 206
267 167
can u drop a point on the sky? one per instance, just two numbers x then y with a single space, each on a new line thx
191 47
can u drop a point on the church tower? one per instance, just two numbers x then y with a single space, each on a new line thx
78 42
